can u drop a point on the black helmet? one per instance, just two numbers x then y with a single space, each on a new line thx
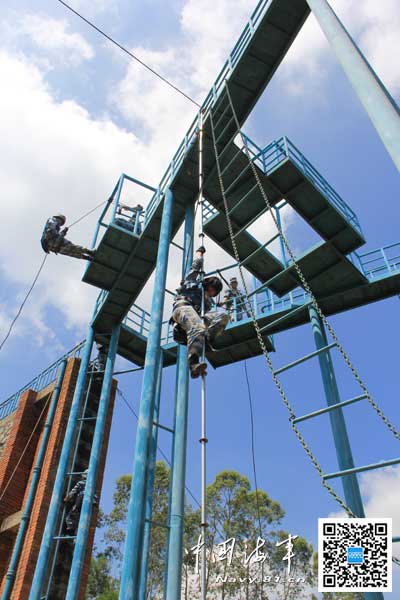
214 282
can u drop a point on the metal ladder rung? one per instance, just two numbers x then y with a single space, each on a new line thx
163 427
64 537
284 317
386 463
249 223
231 161
322 411
227 145
224 129
72 473
234 182
222 116
246 260
304 358
242 199
87 419
215 108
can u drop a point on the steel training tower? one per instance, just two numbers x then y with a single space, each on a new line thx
240 182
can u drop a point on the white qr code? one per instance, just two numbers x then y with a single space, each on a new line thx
354 555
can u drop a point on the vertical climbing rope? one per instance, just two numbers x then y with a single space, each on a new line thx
203 438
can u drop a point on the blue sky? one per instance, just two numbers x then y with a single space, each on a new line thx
75 113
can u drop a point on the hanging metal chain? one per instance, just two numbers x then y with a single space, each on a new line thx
306 286
261 342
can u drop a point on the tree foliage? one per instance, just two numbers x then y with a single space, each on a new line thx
234 511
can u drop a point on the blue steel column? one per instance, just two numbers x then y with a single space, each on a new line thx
90 487
150 486
59 484
172 590
135 525
338 425
380 106
19 542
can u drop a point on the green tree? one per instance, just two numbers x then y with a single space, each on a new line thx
234 511
101 585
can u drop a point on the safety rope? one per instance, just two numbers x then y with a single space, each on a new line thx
23 303
263 347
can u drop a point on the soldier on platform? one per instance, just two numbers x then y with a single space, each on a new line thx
133 222
53 240
74 500
234 300
188 325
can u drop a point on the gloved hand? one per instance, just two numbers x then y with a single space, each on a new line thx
201 249
64 231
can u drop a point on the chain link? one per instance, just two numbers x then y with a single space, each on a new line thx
307 288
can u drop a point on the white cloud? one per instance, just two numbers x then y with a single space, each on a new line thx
50 40
55 158
374 26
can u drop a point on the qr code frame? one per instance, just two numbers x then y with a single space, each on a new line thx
330 529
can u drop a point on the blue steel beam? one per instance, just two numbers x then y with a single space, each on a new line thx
93 469
19 542
59 484
150 485
136 512
338 425
380 106
173 572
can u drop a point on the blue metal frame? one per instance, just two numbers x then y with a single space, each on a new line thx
136 513
173 567
19 542
378 103
90 487
151 464
57 495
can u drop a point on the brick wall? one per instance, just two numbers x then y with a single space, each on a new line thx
30 407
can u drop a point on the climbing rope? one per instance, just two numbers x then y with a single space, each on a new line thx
253 452
23 303
263 347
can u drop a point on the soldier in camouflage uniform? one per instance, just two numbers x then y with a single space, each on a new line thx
234 300
53 240
74 500
187 310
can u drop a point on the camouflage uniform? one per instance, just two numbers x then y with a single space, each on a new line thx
240 305
132 223
74 501
53 240
187 310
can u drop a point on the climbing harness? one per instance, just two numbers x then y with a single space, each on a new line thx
307 288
